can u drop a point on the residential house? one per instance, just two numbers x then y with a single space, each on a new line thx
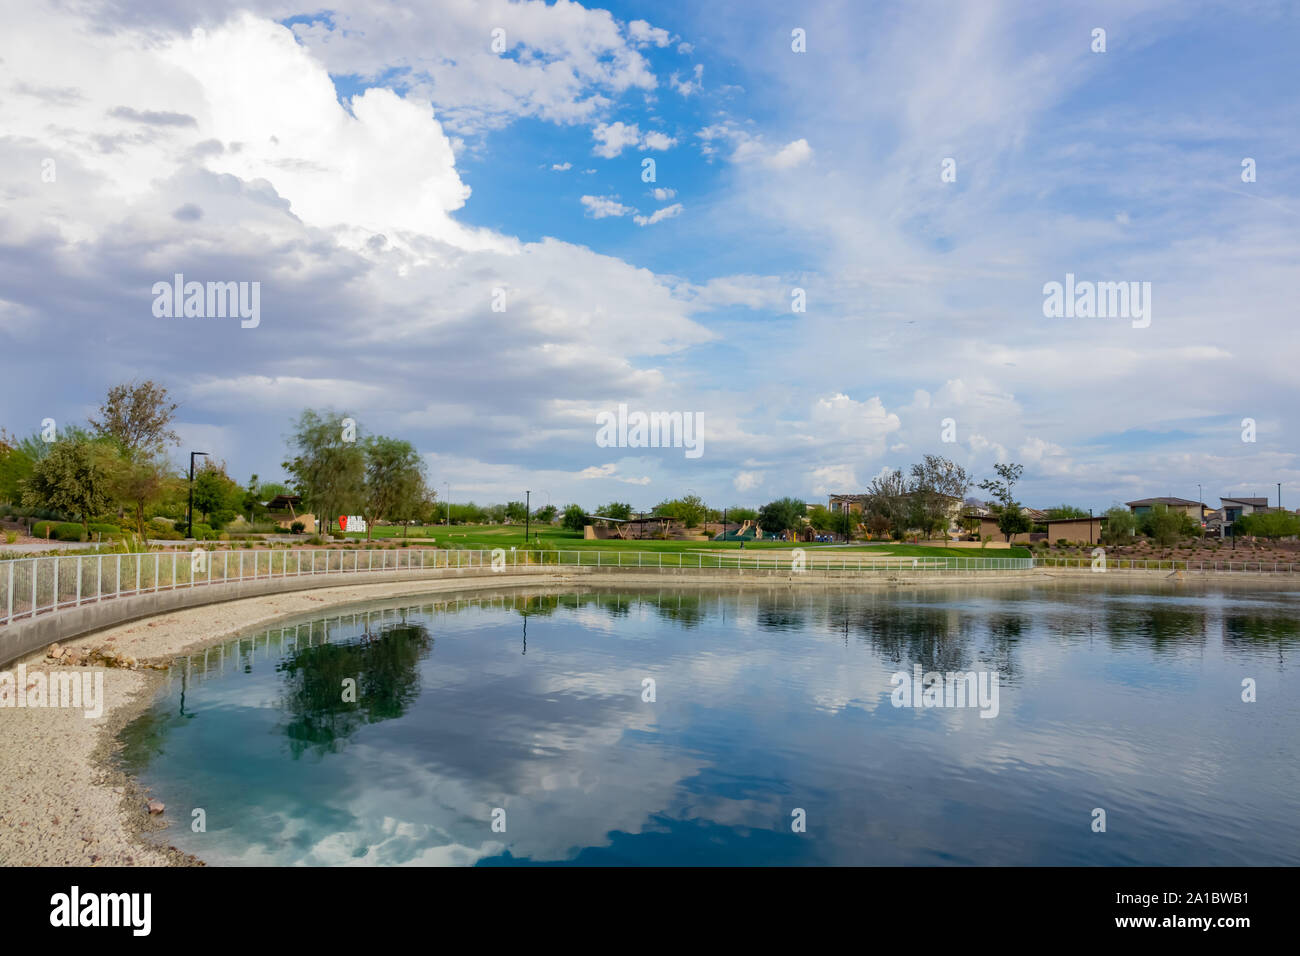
1196 510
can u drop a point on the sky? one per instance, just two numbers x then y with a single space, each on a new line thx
457 239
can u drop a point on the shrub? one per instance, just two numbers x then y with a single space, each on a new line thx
11 537
315 539
58 531
297 528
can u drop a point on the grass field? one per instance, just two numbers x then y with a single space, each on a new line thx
508 536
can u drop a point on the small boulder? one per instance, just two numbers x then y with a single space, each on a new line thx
56 651
156 807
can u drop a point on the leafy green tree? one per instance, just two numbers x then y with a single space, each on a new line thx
1012 521
689 510
575 518
1161 525
1268 524
619 510
516 511
545 514
821 518
740 515
783 514
328 472
394 480
1061 512
217 496
15 468
1120 525
74 477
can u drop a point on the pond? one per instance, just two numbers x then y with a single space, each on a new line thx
1016 724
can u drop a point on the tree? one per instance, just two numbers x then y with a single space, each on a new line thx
689 510
783 514
1003 487
1161 525
887 501
575 518
15 468
139 481
394 480
545 514
1120 525
217 496
137 417
1268 524
1065 511
414 503
516 511
937 485
619 510
740 515
328 472
821 518
1012 521
74 477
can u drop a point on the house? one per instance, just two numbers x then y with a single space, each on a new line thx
849 503
1234 508
989 527
1195 510
1075 529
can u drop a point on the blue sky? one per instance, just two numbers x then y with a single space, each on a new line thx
380 170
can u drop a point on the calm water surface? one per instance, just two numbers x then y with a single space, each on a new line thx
766 703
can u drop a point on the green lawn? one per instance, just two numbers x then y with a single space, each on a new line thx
508 536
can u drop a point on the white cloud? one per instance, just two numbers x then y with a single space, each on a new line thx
600 207
833 480
663 195
790 155
747 480
612 138
657 140
643 34
561 167
659 215
691 85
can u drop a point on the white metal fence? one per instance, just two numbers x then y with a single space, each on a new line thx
40 585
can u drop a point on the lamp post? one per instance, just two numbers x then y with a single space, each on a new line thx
447 485
528 500
189 524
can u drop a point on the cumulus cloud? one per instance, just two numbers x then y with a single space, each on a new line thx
612 138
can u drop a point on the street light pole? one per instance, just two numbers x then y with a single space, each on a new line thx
189 524
528 501
447 485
